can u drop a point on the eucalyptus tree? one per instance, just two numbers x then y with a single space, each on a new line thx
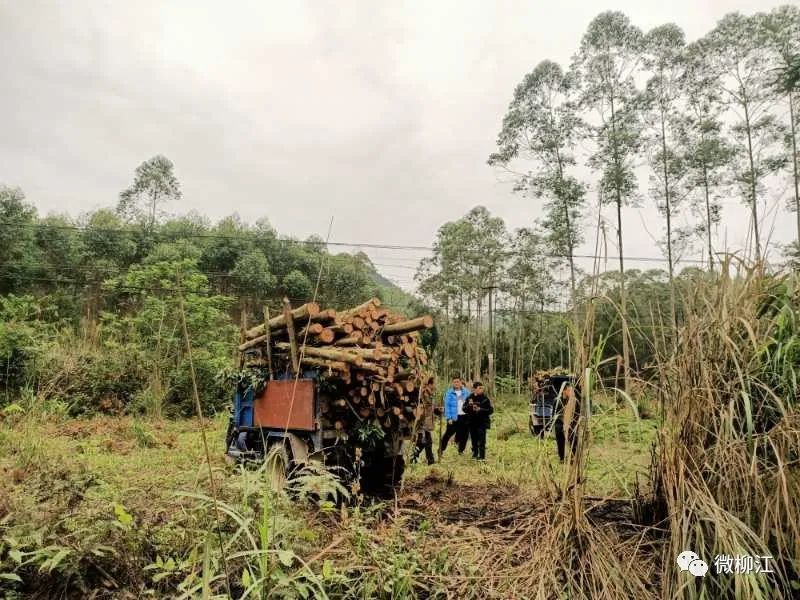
486 253
664 53
542 126
154 183
782 28
706 152
467 261
738 52
607 63
530 284
441 279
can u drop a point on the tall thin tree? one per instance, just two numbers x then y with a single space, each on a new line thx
542 125
782 28
706 152
738 52
607 60
661 101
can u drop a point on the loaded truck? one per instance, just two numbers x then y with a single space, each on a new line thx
343 388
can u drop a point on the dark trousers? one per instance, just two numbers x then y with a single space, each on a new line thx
477 432
458 428
561 437
424 442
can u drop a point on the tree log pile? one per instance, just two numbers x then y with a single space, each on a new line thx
368 358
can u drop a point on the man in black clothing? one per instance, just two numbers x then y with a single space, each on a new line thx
425 415
479 408
566 426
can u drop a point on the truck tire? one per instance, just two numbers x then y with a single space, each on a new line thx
277 465
381 476
229 436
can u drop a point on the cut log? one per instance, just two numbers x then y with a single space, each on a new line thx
311 329
370 353
323 316
346 328
357 310
268 339
425 322
326 336
327 353
301 313
325 364
351 340
289 319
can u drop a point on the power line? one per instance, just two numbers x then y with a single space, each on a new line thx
173 290
319 244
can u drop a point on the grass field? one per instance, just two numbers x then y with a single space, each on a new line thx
119 507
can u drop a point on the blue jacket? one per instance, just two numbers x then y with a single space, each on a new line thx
451 402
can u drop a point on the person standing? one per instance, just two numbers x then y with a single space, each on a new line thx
457 426
480 409
426 413
567 413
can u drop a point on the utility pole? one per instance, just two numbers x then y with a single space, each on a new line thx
491 289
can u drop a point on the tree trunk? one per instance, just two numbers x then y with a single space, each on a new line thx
623 300
568 224
424 322
753 195
708 217
476 373
327 353
795 167
301 313
668 206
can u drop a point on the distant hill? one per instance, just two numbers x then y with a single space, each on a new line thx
391 293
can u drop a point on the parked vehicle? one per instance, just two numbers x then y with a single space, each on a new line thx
281 419
545 403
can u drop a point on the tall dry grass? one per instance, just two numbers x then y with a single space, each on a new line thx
726 468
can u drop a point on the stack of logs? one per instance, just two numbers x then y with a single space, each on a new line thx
368 357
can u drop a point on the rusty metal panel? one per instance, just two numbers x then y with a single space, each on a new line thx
272 408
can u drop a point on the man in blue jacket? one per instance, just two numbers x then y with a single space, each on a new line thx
457 421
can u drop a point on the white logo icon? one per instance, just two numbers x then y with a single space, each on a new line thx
698 568
690 561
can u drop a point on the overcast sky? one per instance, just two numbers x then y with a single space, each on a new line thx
380 114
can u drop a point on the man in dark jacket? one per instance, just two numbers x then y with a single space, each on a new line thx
568 405
479 408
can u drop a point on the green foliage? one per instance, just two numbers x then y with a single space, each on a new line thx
18 251
154 183
297 286
543 126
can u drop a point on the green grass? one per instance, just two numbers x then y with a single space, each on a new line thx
116 495
620 451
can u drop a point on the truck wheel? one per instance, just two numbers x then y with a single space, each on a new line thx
532 427
396 466
229 435
276 466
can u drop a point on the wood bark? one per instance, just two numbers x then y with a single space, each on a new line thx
301 313
425 322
